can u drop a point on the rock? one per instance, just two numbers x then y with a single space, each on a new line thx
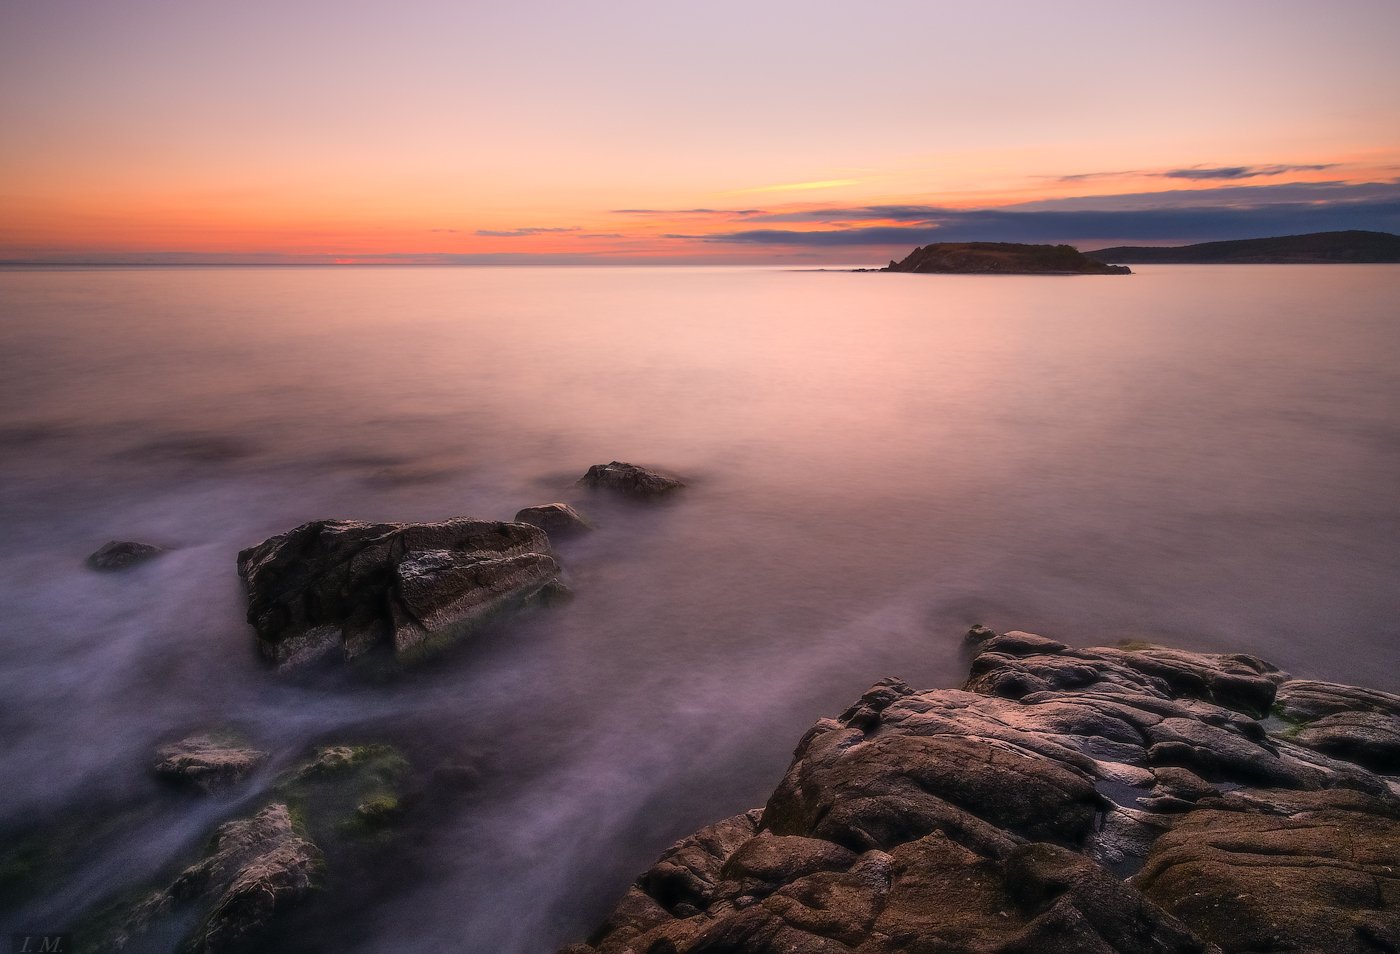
1315 873
1302 700
979 634
1347 722
684 878
1005 817
354 586
254 870
1369 739
120 554
629 479
555 519
206 763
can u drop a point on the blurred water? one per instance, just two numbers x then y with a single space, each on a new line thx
1201 456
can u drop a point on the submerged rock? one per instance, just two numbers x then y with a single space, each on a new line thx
254 870
555 519
206 763
1011 815
354 586
629 479
120 554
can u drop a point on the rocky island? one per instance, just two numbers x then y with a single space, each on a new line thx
1134 800
1001 258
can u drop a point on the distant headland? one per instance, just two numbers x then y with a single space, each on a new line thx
1315 248
1002 258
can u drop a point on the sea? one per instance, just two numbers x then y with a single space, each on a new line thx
1204 457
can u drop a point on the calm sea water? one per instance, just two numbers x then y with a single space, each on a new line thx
1202 456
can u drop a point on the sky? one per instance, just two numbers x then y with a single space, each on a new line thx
764 131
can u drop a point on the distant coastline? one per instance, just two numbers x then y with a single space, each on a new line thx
1314 248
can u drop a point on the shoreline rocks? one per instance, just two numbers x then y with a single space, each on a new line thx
356 586
1105 799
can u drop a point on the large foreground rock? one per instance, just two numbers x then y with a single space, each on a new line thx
340 584
1064 800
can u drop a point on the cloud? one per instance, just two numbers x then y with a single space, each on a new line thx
1240 172
600 235
518 233
1080 177
1203 172
1164 225
1234 196
866 213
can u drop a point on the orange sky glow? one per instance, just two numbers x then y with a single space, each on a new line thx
357 134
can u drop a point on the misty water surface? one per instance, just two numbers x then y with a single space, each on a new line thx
1201 456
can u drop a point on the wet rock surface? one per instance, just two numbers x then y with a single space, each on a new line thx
555 519
206 763
254 869
339 811
1097 800
120 554
629 480
343 585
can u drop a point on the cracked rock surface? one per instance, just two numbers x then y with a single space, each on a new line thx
255 869
343 585
1085 800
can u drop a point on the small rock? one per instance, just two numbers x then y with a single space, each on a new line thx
629 479
206 763
555 519
120 554
379 810
980 634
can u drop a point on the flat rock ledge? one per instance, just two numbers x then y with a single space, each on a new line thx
1064 800
341 584
629 480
